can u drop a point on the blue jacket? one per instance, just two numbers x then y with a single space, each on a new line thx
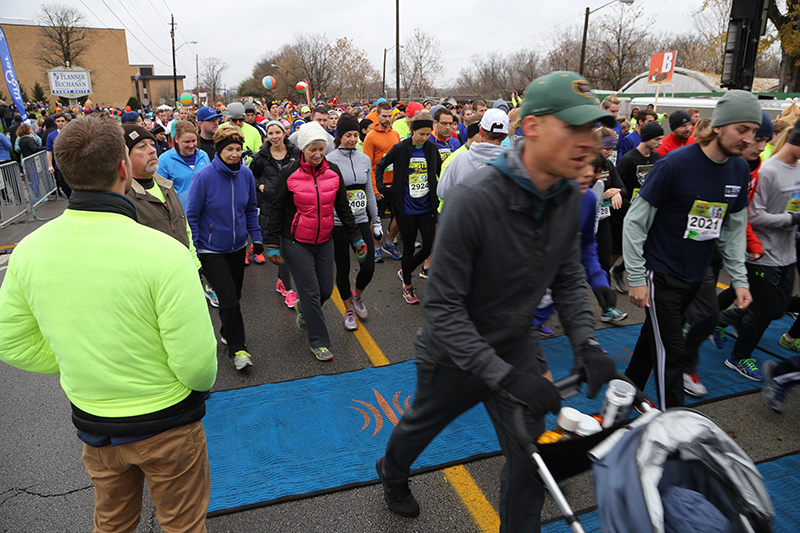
222 208
5 148
172 167
595 275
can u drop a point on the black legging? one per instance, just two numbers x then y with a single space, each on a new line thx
341 257
604 243
225 272
409 225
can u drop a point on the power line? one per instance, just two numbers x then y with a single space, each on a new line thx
141 28
157 13
134 35
112 33
372 22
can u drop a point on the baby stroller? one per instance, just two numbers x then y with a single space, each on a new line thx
660 473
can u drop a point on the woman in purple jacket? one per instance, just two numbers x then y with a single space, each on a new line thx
221 239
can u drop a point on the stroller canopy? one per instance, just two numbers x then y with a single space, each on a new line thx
683 449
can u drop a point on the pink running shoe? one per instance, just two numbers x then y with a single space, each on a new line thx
280 288
291 299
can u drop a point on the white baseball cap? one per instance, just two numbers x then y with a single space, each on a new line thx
495 121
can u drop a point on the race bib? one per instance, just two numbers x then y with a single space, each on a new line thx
418 185
642 171
635 193
605 209
704 222
613 158
358 201
793 205
604 176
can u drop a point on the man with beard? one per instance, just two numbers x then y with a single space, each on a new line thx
681 125
691 200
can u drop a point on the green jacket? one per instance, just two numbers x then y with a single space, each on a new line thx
113 307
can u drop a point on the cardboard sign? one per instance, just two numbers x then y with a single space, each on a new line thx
662 65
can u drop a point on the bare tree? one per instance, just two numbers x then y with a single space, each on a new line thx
353 74
211 76
620 54
420 63
64 36
314 53
787 22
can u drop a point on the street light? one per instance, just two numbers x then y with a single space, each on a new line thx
586 28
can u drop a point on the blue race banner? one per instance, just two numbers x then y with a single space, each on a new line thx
10 76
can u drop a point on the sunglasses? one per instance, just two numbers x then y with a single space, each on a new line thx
237 120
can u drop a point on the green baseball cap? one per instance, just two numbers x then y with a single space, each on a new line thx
566 95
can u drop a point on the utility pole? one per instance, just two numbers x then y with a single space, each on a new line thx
397 50
174 68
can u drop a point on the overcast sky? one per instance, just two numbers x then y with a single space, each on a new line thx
241 32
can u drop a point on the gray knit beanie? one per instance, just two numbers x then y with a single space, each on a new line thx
736 106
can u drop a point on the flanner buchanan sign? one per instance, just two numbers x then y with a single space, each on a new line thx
70 82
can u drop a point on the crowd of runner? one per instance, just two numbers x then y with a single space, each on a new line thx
462 193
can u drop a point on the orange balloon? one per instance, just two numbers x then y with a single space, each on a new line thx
127 108
74 109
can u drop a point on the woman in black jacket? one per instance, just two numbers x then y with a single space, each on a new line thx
275 154
417 165
27 143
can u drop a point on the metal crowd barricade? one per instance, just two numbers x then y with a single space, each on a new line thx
13 196
41 183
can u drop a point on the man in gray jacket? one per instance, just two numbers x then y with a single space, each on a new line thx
774 214
514 221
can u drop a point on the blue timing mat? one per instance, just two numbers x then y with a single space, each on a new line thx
781 476
290 440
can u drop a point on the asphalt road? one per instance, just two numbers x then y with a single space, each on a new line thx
44 488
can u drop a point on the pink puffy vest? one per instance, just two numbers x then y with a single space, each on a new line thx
314 193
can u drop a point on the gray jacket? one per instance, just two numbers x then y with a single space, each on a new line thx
356 170
499 246
777 183
465 163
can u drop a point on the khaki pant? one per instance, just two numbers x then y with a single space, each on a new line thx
175 464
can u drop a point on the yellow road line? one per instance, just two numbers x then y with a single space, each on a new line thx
458 477
722 286
479 507
374 353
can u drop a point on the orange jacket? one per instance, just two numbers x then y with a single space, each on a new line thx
376 145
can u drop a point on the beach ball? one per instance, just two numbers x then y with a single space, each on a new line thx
127 108
268 82
301 86
186 99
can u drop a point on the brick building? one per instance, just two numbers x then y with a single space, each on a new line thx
114 79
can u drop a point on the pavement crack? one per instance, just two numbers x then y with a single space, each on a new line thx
13 492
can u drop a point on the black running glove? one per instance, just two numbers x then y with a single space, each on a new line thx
597 368
258 248
538 393
605 297
795 218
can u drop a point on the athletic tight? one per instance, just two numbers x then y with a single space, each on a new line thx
409 225
341 256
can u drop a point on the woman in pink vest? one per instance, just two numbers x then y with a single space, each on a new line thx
305 197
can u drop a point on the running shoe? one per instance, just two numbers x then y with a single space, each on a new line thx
391 249
400 275
409 296
773 395
322 353
618 282
358 306
259 258
211 295
241 360
544 331
613 315
279 287
350 323
378 256
423 273
299 321
417 245
746 367
223 340
246 259
291 299
793 344
693 386
399 498
650 404
719 337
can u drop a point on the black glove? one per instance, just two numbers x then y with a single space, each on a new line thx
795 218
605 297
538 393
597 368
258 248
